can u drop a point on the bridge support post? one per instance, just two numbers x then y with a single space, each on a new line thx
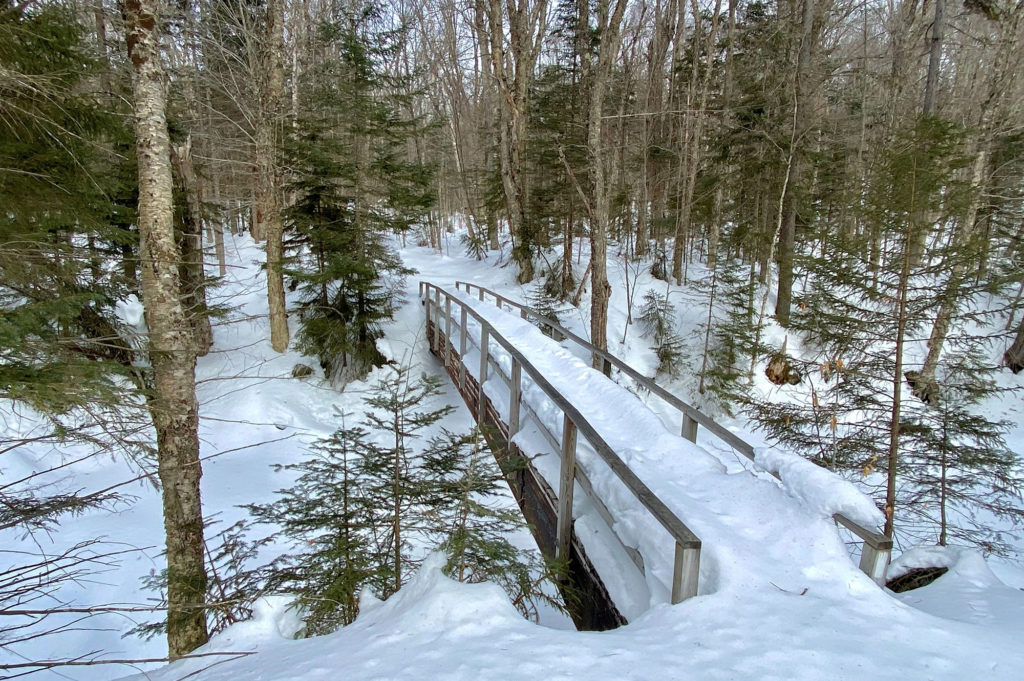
462 350
515 390
874 562
447 332
566 484
426 303
685 572
437 319
689 428
482 378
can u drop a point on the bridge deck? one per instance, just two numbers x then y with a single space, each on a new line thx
563 419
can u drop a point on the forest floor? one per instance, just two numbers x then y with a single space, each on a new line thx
824 620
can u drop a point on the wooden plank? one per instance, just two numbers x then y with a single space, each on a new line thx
876 540
566 486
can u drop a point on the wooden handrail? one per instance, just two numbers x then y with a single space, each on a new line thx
688 545
877 547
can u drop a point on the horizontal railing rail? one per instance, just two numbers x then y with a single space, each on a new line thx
686 561
876 547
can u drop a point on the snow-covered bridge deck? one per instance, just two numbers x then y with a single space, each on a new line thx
633 500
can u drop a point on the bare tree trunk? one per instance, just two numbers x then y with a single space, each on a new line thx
269 224
1014 355
897 387
655 91
934 57
192 273
700 89
801 122
513 72
172 403
925 385
596 75
218 229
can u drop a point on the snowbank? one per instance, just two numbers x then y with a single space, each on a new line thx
820 490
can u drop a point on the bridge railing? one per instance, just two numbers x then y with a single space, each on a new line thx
876 548
439 311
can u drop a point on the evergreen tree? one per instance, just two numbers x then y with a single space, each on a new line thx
332 522
60 185
472 526
371 500
353 188
853 412
657 317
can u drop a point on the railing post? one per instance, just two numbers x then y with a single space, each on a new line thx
685 572
874 562
447 331
481 294
437 320
462 349
484 339
514 392
689 428
426 302
566 484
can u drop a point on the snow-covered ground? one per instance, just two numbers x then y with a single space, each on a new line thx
779 597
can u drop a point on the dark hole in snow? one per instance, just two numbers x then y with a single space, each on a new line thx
916 578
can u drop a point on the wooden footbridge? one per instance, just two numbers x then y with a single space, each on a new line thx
455 339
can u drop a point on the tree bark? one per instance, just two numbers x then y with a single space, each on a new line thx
934 57
172 402
191 271
1014 355
992 110
596 75
512 73
269 224
801 123
697 98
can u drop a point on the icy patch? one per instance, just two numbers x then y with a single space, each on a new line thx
820 490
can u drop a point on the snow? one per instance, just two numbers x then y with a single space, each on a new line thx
438 629
968 592
817 488
779 598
